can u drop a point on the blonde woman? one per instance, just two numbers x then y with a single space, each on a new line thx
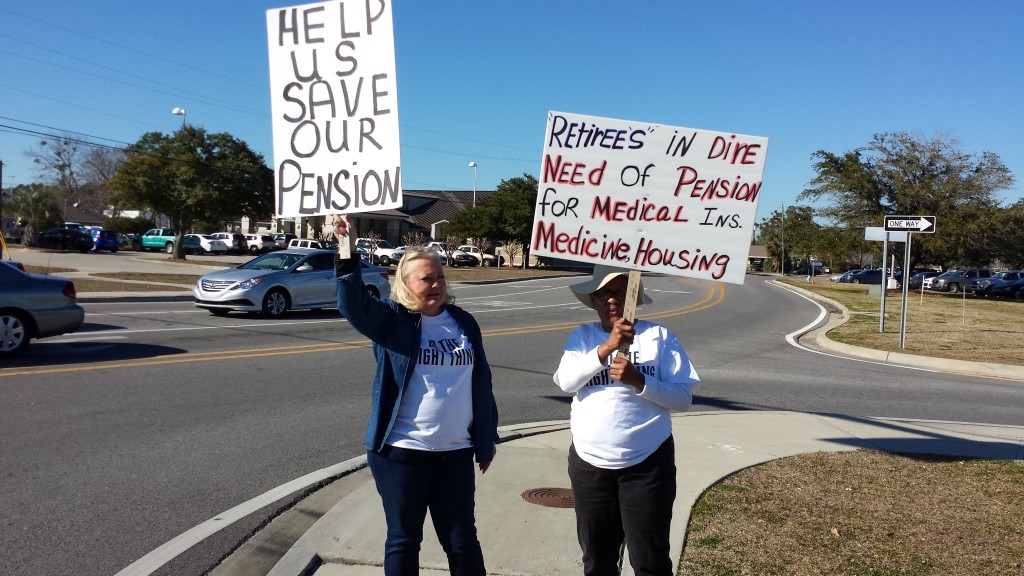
432 411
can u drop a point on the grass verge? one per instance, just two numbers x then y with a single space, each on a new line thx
954 326
861 513
866 513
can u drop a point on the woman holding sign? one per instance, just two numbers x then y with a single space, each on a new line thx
432 411
622 458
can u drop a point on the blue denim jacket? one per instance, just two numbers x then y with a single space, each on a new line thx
395 333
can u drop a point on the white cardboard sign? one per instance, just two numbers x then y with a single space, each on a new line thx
334 105
665 199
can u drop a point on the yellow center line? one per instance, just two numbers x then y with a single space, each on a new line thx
714 297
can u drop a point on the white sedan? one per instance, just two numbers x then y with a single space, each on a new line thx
203 243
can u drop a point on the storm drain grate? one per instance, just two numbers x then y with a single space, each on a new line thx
550 497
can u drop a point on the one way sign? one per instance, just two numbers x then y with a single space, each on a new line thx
918 224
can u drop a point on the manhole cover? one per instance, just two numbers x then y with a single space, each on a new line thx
550 497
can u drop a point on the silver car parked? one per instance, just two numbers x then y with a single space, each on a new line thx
34 306
292 279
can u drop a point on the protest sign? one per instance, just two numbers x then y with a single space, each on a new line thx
665 199
335 108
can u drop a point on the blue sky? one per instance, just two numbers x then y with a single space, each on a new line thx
476 79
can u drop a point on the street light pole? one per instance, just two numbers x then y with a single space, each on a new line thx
783 236
473 166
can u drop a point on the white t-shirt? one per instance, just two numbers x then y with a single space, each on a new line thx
437 406
614 426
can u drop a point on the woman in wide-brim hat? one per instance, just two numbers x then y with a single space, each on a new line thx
622 457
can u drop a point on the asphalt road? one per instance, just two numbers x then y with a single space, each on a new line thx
157 416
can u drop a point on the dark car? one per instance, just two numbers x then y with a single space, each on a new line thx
875 276
460 258
982 286
281 239
1013 289
363 253
815 270
105 240
917 280
956 280
65 239
34 306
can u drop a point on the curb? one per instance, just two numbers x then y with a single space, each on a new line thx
95 297
819 337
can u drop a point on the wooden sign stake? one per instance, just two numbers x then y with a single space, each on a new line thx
629 312
342 230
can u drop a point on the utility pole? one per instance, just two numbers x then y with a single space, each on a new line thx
1 197
783 236
3 223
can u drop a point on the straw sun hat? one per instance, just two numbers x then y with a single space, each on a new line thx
603 274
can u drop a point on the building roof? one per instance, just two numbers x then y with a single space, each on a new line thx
84 217
423 208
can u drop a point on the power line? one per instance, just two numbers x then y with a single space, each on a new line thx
136 51
53 128
467 154
178 92
469 139
51 99
27 132
194 95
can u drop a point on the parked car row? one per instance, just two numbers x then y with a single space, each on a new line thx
979 281
230 242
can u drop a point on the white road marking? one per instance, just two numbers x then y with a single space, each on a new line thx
193 328
86 337
791 337
148 312
159 557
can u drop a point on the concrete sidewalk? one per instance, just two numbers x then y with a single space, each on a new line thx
527 538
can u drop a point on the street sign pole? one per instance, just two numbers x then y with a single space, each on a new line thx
885 262
906 288
910 225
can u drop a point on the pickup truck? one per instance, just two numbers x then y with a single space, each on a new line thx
382 250
155 239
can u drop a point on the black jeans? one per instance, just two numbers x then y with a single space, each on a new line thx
633 505
411 481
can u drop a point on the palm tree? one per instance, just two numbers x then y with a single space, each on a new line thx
35 206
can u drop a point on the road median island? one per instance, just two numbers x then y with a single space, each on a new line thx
953 327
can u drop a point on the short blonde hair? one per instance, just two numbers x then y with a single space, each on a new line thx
401 290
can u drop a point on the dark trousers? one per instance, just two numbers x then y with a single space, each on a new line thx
633 505
412 481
